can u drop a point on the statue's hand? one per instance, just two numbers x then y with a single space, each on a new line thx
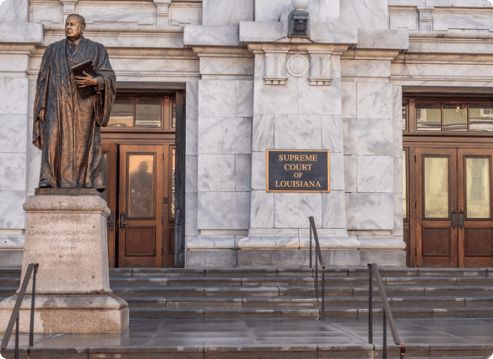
41 115
84 81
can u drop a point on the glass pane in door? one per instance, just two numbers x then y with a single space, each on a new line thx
477 187
404 187
429 116
455 117
436 187
480 117
140 172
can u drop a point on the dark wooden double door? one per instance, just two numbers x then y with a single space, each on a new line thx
452 218
140 193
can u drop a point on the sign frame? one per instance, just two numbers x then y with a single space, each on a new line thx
293 190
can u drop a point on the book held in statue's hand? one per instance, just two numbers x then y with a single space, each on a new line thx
78 70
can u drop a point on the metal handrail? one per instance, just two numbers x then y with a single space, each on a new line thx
14 318
318 258
387 312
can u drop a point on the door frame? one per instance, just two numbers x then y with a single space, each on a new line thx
410 144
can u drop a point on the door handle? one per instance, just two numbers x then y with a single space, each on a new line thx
454 219
122 221
111 221
461 219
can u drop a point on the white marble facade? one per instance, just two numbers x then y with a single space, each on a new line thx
250 88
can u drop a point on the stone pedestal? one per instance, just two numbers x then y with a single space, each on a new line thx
67 236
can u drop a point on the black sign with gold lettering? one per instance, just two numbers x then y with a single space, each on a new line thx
298 171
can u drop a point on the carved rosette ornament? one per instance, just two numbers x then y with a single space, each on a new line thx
298 66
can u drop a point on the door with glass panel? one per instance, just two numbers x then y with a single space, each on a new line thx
140 206
454 224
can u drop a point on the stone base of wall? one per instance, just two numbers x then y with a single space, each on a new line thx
11 258
292 258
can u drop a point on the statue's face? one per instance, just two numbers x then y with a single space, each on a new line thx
73 28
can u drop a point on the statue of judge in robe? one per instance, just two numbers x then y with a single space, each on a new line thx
67 127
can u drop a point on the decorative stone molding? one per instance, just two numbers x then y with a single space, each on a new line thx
162 12
425 18
68 6
298 66
320 69
275 68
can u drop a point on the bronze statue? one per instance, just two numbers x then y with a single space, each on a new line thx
67 124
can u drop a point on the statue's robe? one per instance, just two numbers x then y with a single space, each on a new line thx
70 136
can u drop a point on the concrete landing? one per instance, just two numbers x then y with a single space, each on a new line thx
235 339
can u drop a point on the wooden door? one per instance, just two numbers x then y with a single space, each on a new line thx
140 242
436 207
110 177
475 222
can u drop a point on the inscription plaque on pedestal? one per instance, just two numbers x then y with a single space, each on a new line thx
298 171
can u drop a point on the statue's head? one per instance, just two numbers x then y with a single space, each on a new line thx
74 27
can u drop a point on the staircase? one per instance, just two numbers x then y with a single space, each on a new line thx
289 293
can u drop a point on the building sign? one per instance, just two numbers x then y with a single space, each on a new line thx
298 171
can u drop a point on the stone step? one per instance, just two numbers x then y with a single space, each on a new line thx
296 291
303 313
286 281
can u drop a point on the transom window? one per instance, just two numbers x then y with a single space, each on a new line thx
134 113
449 116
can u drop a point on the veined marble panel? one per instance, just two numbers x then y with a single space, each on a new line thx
334 243
350 173
375 173
191 214
13 133
11 239
263 132
325 100
227 12
12 214
323 10
243 166
192 110
374 100
217 98
334 209
216 173
397 139
51 12
369 211
185 14
336 171
226 66
13 171
142 65
269 243
225 135
364 68
398 229
293 209
14 63
209 242
273 232
404 20
332 133
298 132
273 99
460 21
262 209
365 14
348 94
369 137
382 244
14 11
16 90
259 170
398 176
261 31
397 104
224 210
192 128
33 169
142 14
244 98
208 35
440 70
191 174
383 39
334 32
